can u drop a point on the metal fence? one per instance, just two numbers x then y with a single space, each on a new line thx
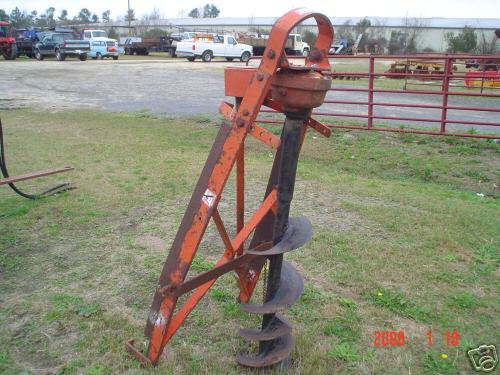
452 95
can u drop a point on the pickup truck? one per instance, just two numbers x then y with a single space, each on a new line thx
61 46
25 41
214 46
294 44
101 45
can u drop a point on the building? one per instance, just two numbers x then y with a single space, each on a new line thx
431 35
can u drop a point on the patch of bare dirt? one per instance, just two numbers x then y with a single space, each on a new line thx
151 242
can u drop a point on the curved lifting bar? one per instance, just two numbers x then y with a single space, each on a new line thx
286 23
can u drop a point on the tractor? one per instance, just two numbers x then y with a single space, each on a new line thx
8 46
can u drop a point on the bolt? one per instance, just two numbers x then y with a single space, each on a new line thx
245 112
260 76
282 91
271 54
240 122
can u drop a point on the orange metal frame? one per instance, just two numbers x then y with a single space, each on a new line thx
251 87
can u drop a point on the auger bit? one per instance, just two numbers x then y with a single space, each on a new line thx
294 91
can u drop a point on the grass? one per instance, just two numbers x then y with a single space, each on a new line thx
398 304
406 238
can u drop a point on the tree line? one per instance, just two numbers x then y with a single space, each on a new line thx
50 18
408 38
405 40
207 11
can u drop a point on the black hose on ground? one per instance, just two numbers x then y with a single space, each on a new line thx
5 173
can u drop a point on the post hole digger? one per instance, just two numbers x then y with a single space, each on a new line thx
294 91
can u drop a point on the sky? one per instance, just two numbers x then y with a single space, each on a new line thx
257 8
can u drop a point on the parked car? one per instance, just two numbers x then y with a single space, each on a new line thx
61 46
101 36
214 46
100 49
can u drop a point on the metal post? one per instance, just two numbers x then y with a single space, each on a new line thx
291 142
370 91
445 90
483 70
128 16
406 75
240 186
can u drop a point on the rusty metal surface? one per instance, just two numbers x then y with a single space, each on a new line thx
129 345
288 293
321 128
299 90
171 263
265 136
227 110
278 327
214 273
32 175
237 79
298 233
200 291
283 348
296 89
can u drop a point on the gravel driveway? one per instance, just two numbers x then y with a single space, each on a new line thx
164 87
174 87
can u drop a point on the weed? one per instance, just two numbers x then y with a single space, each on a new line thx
348 303
345 352
346 325
439 364
311 295
478 175
89 309
464 300
428 173
9 262
17 211
396 302
5 359
486 261
221 295
62 304
200 264
231 309
97 370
